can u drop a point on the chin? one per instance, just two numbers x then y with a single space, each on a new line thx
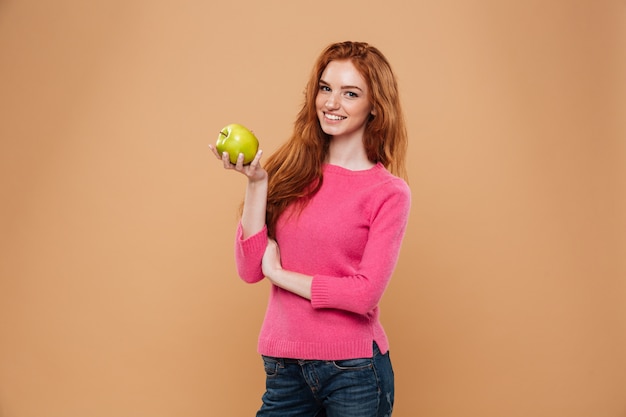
328 131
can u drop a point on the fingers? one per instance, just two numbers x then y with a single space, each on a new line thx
239 164
224 157
253 170
226 160
257 158
255 164
273 245
215 152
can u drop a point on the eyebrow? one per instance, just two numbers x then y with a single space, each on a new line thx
343 87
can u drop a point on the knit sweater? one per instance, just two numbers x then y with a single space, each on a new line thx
348 239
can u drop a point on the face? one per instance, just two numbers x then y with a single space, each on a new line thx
342 101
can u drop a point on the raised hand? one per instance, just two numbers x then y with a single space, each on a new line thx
253 170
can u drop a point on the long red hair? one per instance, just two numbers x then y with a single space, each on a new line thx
295 169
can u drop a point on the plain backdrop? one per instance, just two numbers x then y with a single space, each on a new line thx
118 293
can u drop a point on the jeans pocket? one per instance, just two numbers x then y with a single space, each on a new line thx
353 364
271 366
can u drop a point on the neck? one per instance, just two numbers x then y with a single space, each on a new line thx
349 154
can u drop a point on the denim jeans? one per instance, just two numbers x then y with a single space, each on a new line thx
345 388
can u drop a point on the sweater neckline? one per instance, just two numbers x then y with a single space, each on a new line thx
336 169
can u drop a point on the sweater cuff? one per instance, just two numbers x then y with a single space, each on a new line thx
256 242
320 292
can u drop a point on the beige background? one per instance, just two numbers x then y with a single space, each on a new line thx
118 295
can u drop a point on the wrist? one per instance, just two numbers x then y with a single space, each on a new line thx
274 274
258 182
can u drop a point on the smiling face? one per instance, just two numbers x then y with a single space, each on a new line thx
342 101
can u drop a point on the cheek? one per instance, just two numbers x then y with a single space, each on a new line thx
319 101
366 110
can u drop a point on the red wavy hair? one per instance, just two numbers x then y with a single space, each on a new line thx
295 169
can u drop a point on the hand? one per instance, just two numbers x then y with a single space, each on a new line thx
253 171
271 259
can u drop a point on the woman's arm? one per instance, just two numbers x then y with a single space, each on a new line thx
251 238
294 282
362 291
254 206
255 202
358 293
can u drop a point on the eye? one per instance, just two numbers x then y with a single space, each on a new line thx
324 88
351 94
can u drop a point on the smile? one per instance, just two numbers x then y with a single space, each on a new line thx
333 116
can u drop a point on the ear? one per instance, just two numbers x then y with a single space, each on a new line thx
373 112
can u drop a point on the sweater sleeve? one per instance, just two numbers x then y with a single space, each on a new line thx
361 292
249 253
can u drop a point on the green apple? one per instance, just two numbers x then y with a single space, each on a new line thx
236 139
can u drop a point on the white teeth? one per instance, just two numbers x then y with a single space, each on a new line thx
334 117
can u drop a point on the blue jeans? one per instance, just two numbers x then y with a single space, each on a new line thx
311 388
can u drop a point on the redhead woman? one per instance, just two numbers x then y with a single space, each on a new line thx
323 220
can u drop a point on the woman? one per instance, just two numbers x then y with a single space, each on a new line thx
334 200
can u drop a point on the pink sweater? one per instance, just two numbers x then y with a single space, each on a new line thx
348 238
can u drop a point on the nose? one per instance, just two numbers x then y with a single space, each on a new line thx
332 102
